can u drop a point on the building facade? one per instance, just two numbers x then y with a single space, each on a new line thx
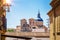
23 21
54 15
24 26
37 24
3 22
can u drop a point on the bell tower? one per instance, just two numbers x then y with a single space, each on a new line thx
54 15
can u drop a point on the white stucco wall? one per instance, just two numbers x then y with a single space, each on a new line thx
40 38
8 38
38 30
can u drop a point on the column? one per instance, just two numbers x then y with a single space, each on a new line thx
0 36
58 23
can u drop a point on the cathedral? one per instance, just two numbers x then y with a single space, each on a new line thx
37 24
33 25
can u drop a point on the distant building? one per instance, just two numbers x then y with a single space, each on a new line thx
37 24
23 21
32 22
18 28
34 25
42 29
39 20
24 26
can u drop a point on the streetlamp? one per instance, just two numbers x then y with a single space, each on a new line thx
6 5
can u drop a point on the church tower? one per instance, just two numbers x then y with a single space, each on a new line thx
39 20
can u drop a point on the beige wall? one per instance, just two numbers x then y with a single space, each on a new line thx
23 21
31 22
54 22
57 22
39 23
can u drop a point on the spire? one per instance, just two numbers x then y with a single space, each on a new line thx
38 14
39 17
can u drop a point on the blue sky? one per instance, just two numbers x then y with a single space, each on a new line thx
27 9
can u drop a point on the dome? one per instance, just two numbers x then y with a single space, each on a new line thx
39 19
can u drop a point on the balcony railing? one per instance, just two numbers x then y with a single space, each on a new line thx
4 36
25 35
